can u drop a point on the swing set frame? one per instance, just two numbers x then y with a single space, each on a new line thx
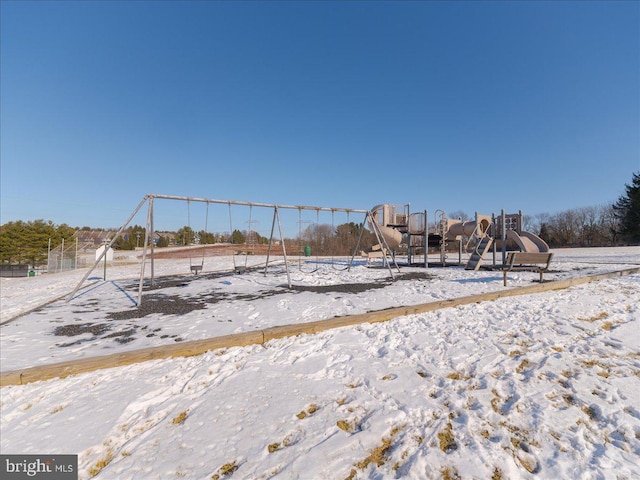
148 249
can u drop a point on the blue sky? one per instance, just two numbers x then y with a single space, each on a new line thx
460 106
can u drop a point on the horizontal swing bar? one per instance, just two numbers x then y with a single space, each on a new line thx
255 204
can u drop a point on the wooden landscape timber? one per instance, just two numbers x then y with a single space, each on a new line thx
198 347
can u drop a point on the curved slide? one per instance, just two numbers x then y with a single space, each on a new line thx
392 236
527 241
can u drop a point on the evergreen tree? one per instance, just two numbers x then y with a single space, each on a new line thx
206 238
163 241
544 234
185 236
136 236
28 242
260 240
627 211
237 237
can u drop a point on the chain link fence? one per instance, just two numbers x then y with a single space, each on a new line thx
63 258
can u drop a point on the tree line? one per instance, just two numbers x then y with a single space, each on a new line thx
579 227
323 239
605 225
597 226
28 242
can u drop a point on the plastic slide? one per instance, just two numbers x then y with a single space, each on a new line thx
392 236
540 243
527 241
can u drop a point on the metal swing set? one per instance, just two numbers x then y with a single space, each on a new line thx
196 265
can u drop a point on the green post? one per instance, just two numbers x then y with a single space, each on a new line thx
106 249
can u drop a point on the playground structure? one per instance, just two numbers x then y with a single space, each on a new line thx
396 229
409 233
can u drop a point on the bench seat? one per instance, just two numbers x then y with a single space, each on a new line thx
529 261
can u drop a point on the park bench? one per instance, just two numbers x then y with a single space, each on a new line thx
377 251
535 262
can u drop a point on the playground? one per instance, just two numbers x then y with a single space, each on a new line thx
300 361
538 384
385 234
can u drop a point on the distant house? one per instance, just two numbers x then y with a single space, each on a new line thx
89 240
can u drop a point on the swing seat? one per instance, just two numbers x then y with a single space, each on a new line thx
196 269
241 269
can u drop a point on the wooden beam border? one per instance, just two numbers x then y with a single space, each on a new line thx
198 347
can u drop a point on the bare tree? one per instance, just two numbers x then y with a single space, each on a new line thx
459 215
530 224
565 227
609 225
589 231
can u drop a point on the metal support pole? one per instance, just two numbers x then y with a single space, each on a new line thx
493 234
504 237
86 275
356 246
519 222
106 249
443 227
355 249
284 249
151 244
409 247
144 250
273 226
426 240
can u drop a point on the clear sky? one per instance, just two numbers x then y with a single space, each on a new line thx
467 106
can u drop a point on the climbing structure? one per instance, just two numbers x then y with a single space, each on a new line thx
407 232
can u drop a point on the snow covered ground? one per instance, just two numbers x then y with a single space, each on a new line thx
536 386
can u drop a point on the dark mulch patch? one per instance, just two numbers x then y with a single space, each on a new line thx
125 333
158 303
361 287
179 305
339 288
73 330
126 339
95 329
415 276
184 280
164 304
